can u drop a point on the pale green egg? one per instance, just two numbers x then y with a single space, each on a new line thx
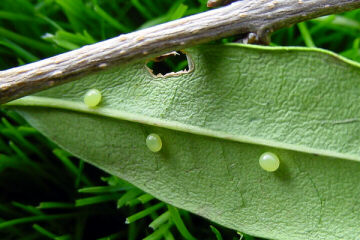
269 161
153 142
92 98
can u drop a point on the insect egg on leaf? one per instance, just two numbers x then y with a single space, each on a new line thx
269 162
153 142
92 98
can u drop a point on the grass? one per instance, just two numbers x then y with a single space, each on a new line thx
49 194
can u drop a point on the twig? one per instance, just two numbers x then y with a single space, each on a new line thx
258 16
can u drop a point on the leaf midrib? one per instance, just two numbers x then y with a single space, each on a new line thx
36 101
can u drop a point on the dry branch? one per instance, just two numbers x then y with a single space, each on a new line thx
258 16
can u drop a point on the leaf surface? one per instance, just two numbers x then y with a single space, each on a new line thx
236 103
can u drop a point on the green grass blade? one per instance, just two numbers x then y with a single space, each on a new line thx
335 21
144 12
80 227
168 236
157 222
64 237
51 205
244 236
26 41
142 199
114 236
21 140
80 175
27 131
65 44
145 198
17 17
154 22
75 13
128 196
35 219
110 20
28 208
306 35
176 218
43 231
144 213
29 57
63 156
322 23
54 24
4 148
158 234
216 232
76 39
104 189
179 12
132 232
19 152
96 199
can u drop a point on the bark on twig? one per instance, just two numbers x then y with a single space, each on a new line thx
258 16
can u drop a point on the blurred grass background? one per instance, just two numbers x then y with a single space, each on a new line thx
48 194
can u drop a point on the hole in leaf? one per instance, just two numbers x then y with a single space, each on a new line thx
170 64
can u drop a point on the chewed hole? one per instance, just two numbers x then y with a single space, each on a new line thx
170 64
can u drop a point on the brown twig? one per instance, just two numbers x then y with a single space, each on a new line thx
258 16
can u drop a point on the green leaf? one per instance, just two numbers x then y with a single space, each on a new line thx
236 103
